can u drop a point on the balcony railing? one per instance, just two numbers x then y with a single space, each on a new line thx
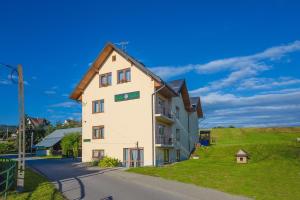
163 110
164 140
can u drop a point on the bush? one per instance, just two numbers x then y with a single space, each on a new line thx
7 147
70 144
109 162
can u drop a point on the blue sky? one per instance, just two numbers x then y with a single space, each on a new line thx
241 57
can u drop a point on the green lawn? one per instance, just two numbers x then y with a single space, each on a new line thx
51 157
37 187
273 171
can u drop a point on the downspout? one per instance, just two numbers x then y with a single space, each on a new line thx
153 124
189 142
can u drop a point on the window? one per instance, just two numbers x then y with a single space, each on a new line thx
105 80
177 135
114 58
98 132
98 106
161 129
178 155
177 112
99 153
124 75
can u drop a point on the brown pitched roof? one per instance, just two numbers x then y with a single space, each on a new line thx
36 122
107 50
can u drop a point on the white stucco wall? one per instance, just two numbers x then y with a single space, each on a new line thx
126 122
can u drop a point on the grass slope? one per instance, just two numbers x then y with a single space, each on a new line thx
37 187
273 172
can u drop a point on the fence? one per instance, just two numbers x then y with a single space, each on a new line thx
7 175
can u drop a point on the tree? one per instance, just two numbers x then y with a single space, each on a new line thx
70 144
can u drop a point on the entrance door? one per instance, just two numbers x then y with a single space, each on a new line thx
133 157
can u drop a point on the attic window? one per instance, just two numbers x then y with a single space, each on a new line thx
114 58
194 106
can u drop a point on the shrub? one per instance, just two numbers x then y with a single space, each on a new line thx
109 162
70 144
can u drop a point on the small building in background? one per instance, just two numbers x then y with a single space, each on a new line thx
204 137
242 156
36 122
52 141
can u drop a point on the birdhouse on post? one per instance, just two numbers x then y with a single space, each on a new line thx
242 156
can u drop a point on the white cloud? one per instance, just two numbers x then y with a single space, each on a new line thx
50 92
267 83
255 62
66 104
65 95
168 72
5 82
274 109
259 99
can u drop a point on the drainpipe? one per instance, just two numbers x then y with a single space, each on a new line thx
153 123
189 142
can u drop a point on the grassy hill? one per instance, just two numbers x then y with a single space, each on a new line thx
273 171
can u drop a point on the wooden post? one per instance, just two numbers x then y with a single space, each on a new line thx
21 133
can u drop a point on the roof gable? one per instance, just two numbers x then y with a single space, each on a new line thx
97 64
179 86
197 102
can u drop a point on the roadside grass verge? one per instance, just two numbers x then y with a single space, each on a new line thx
37 187
273 171
51 157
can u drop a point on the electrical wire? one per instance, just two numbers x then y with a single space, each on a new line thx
13 72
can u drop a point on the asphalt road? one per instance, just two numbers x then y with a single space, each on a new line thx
78 182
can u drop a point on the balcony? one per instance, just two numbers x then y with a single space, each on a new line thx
164 141
163 114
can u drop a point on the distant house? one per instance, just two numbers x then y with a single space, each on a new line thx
13 136
68 122
36 122
52 141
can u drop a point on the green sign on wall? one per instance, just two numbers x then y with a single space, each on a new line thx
127 96
86 140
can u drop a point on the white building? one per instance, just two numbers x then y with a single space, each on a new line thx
131 114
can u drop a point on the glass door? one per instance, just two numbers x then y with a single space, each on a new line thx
133 157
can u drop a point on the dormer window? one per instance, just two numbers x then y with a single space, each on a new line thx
124 75
105 80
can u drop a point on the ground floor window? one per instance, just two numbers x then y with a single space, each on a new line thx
133 157
178 155
166 156
98 153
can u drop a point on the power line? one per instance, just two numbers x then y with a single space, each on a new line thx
14 71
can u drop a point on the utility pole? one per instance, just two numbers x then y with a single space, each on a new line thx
21 133
31 145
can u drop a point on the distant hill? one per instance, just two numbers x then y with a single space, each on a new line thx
11 128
